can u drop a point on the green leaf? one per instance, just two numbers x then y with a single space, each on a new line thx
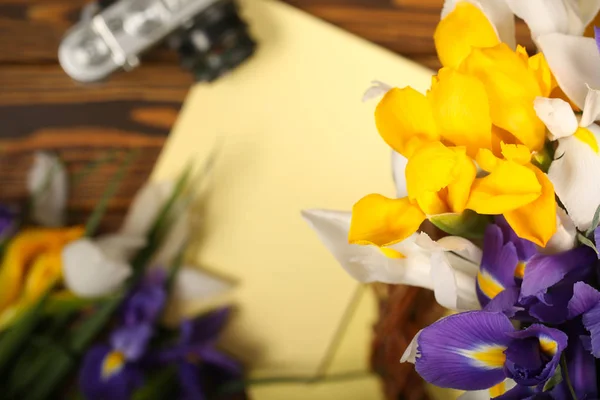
61 304
111 189
586 242
54 374
554 380
595 222
158 386
13 340
468 224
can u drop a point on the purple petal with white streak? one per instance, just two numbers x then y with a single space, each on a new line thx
131 340
597 36
445 350
544 271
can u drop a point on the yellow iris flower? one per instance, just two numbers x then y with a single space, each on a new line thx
32 262
479 106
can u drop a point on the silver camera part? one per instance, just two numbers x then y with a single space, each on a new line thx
117 36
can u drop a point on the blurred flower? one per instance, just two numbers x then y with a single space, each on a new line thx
113 371
48 189
201 367
90 272
145 303
32 263
8 222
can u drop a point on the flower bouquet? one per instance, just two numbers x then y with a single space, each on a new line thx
94 316
497 207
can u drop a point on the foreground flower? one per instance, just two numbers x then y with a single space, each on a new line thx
577 157
482 349
201 367
424 263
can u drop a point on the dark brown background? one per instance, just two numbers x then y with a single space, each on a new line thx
41 108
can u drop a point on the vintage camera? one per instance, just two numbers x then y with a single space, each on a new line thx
209 35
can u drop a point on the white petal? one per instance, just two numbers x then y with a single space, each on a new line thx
463 247
574 61
588 9
453 289
410 354
557 115
466 257
367 263
548 16
174 240
120 247
88 272
191 284
398 167
497 12
565 237
145 207
48 189
574 174
591 107
377 89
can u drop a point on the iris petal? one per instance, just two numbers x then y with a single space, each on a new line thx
464 351
544 271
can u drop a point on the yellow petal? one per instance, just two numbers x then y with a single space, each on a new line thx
381 221
516 152
508 187
460 189
511 88
432 203
22 250
461 109
543 75
404 120
486 160
587 137
461 30
430 169
44 271
536 221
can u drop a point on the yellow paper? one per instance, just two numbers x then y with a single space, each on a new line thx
293 134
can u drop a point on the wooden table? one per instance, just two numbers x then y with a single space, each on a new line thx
42 108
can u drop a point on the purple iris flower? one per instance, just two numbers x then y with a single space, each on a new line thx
202 369
145 303
114 371
549 281
478 349
517 280
505 257
7 221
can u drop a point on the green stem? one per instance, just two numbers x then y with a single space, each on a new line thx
563 362
340 331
